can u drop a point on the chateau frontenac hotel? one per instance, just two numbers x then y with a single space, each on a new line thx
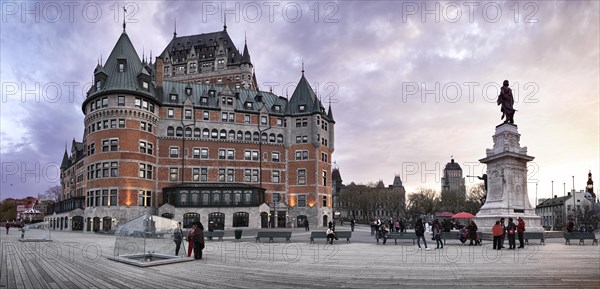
190 135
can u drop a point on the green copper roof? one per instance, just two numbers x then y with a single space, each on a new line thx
304 96
130 78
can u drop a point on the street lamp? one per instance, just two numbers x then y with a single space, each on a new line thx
260 138
193 116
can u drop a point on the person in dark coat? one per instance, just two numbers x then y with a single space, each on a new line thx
420 232
472 228
511 229
198 240
306 227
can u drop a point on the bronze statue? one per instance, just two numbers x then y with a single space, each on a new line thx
506 100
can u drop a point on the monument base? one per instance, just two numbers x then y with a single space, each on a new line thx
485 222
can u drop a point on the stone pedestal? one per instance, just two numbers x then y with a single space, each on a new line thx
507 182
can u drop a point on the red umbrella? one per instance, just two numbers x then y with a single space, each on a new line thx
463 215
444 214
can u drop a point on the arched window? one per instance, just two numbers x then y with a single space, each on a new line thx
183 198
188 218
205 133
179 131
272 137
216 221
196 132
279 138
240 135
170 131
255 136
223 134
240 219
264 137
231 135
247 136
167 215
188 132
214 133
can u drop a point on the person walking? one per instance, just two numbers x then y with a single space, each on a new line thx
177 237
503 224
510 232
306 227
198 240
520 230
352 222
7 225
420 232
397 225
437 234
497 232
383 232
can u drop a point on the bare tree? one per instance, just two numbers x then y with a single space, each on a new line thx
54 193
474 198
422 202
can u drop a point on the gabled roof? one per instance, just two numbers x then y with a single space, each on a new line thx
212 39
554 201
303 95
127 80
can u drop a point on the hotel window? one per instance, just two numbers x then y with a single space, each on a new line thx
91 149
143 125
170 113
98 85
113 197
324 201
173 174
197 132
196 174
302 201
146 147
246 118
324 177
248 105
232 117
255 176
204 100
279 138
170 131
298 139
145 171
301 177
279 121
277 108
230 154
144 198
230 175
113 123
275 157
188 114
304 139
145 105
204 174
221 175
188 132
174 152
263 120
121 123
298 122
324 157
222 154
275 177
224 117
204 153
138 102
179 131
301 108
205 115
121 67
173 97
304 122
196 153
105 102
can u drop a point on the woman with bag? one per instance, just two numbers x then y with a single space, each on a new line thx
511 228
420 232
437 234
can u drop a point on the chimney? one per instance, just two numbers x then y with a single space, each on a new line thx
160 71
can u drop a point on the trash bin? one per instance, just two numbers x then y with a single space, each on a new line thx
238 234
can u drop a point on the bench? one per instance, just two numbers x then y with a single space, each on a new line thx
401 236
581 236
323 235
534 235
450 235
210 235
273 234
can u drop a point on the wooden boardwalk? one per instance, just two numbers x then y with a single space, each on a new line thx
78 260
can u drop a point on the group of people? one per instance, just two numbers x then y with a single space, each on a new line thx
195 238
500 231
395 226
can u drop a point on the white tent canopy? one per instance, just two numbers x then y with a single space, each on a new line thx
32 211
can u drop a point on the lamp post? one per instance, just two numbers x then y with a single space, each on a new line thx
259 126
183 153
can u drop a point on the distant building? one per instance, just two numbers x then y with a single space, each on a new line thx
589 189
453 180
555 212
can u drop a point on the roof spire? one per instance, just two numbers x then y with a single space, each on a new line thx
224 21
124 11
175 29
302 66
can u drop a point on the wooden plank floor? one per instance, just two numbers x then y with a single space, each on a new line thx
78 260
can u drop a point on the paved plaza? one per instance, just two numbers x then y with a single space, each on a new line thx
79 260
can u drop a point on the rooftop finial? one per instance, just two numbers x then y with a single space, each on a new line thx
302 66
124 11
175 29
224 21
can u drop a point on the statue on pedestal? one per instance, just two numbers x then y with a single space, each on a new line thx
506 100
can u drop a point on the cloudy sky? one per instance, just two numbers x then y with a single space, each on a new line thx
411 83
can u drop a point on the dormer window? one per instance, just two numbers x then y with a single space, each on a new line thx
188 91
204 100
258 98
211 93
302 108
277 108
145 85
248 105
122 64
173 97
98 85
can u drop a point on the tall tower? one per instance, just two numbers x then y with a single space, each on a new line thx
121 119
589 189
453 180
